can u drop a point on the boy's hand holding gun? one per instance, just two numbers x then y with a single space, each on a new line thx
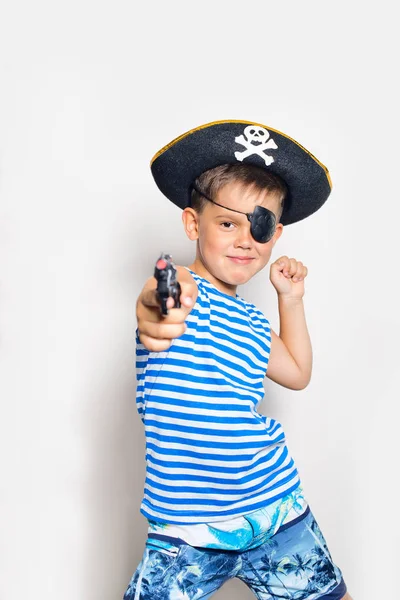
157 324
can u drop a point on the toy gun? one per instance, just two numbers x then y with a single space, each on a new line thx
167 285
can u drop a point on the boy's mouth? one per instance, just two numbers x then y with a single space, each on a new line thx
241 259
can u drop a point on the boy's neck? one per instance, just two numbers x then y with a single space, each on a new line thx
199 268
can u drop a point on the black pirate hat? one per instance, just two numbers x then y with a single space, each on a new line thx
176 166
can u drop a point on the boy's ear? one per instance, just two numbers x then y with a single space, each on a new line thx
278 233
190 221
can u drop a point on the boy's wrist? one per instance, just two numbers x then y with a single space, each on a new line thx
288 300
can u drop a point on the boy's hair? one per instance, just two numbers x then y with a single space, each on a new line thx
211 181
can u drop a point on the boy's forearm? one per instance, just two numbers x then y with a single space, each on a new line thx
294 333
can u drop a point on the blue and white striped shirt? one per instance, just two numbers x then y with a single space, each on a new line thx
210 455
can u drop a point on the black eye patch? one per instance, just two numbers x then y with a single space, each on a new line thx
262 224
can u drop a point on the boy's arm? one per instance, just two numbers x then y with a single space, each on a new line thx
290 361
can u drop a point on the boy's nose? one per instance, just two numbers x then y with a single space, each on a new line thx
244 238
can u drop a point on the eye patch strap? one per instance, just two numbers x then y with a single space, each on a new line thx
262 220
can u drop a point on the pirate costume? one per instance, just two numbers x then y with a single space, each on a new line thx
221 488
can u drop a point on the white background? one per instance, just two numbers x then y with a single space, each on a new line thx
89 92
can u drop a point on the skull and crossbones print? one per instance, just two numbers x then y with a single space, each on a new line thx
256 140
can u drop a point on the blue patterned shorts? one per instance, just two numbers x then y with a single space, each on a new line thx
294 563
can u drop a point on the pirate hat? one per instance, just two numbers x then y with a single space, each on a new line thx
176 166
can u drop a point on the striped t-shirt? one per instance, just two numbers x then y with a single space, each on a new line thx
210 455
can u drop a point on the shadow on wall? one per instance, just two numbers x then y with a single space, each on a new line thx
115 438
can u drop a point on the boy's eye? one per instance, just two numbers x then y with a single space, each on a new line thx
226 224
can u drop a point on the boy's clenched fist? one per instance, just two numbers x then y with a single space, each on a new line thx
287 276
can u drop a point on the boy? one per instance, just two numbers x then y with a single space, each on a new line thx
223 496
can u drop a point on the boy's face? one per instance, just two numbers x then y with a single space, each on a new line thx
227 254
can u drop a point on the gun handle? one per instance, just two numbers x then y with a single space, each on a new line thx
176 294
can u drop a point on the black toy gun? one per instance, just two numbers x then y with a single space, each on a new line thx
167 284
